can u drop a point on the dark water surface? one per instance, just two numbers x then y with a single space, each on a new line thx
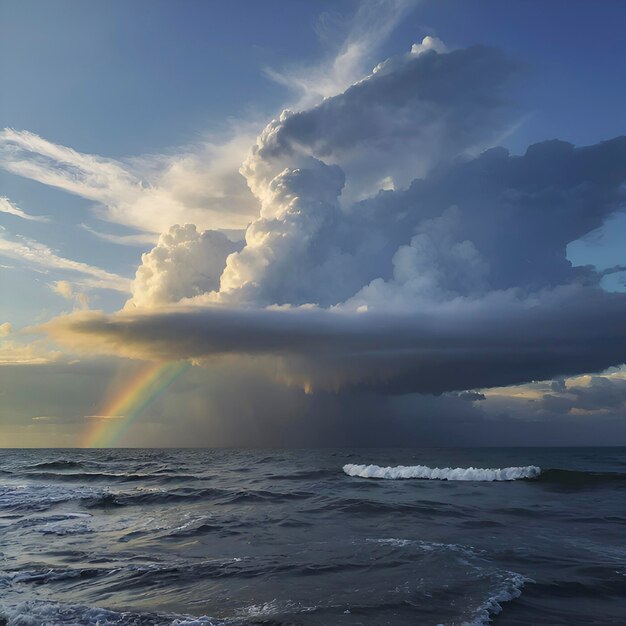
286 537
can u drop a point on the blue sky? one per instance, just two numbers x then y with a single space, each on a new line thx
131 117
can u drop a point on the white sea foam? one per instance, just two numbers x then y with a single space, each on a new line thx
511 589
273 607
427 546
446 473
38 612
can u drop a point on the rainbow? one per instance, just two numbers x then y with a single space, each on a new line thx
127 405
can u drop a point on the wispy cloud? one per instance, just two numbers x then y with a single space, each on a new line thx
39 256
198 184
140 239
351 57
6 206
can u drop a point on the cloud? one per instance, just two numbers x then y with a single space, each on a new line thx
490 223
140 240
495 222
371 25
271 414
40 256
5 329
411 113
472 396
63 288
32 353
457 278
6 206
184 264
199 184
392 279
578 410
494 341
66 290
414 112
599 394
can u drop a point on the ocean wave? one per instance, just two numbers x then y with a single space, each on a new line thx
57 464
111 499
446 473
39 497
52 575
510 589
26 497
63 529
95 476
194 529
189 494
376 507
271 609
37 612
429 546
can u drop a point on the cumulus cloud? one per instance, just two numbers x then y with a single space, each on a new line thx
183 264
496 222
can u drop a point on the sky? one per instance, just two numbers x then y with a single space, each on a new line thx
276 223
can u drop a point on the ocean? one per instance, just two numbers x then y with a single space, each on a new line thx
224 536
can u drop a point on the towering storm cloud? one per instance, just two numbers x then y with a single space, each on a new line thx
395 248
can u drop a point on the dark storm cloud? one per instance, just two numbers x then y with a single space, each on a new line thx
495 341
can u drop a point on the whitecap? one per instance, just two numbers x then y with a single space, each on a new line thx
446 473
37 612
511 589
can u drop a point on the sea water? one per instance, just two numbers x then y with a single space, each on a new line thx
433 536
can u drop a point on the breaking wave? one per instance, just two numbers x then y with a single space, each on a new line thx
446 473
35 612
511 588
57 464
